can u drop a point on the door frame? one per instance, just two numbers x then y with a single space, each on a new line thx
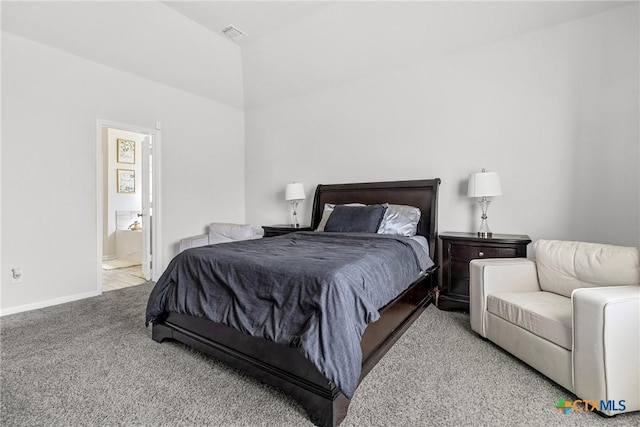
156 245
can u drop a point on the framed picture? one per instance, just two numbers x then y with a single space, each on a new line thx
126 180
126 151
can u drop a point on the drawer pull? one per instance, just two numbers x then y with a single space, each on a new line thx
481 254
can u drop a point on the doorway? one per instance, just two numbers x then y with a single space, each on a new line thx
127 211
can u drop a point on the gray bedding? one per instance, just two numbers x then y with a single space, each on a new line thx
315 292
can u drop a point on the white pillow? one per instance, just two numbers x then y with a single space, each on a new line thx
400 220
328 208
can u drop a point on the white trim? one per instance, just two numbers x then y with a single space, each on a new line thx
48 303
156 245
99 219
147 151
156 249
1 269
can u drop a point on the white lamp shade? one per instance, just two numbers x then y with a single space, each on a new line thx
484 184
294 191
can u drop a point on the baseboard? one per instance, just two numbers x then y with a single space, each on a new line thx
108 257
47 303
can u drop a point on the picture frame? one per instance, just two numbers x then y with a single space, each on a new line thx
126 181
126 151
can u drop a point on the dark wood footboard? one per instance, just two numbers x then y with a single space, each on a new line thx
288 369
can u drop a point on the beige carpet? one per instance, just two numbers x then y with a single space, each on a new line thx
93 363
114 264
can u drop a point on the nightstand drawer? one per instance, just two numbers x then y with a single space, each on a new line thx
465 252
458 249
459 286
459 269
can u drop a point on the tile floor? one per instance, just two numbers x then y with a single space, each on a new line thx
122 278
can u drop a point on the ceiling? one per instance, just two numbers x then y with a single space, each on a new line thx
294 47
261 18
255 18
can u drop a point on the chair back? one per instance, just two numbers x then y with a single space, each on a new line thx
223 232
564 266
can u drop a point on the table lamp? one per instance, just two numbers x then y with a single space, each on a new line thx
293 193
484 184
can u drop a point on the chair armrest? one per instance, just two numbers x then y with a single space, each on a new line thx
489 276
194 241
606 344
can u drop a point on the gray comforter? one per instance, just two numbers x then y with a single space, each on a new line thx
315 292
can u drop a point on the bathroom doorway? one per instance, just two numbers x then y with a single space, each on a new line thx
127 218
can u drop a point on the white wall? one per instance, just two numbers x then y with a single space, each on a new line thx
555 112
145 38
50 104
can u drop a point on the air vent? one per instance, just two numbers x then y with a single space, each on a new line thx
234 33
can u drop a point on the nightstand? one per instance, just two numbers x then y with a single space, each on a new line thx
280 229
460 248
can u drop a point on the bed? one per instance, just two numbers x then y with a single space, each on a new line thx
288 368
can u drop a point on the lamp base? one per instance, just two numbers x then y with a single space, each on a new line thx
484 230
294 208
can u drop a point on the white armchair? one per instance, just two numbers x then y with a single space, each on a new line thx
220 233
573 314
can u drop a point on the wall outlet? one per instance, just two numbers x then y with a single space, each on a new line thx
16 275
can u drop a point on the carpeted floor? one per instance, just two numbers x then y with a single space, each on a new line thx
92 362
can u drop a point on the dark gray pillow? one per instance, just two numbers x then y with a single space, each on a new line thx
365 219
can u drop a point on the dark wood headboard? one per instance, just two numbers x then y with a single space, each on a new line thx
422 194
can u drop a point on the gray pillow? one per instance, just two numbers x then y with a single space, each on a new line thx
364 219
326 213
400 220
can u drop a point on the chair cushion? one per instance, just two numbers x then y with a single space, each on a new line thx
564 266
544 314
220 232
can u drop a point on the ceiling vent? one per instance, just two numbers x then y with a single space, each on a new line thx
234 33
